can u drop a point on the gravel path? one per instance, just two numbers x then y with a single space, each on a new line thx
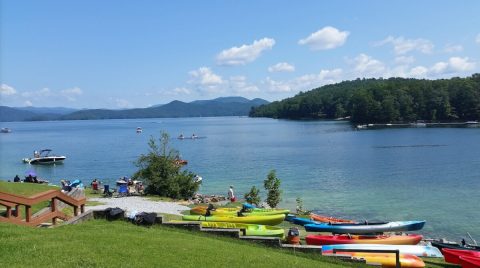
139 204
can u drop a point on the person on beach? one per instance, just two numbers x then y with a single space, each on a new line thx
231 196
16 179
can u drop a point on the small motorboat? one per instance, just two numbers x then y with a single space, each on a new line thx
44 158
5 130
139 130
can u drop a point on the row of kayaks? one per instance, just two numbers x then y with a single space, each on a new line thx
368 235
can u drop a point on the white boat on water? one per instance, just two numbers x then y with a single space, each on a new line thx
44 158
5 130
139 130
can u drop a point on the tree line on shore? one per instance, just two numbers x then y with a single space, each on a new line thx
392 100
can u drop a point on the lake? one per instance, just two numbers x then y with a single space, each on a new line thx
430 174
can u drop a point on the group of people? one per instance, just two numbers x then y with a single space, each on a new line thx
29 179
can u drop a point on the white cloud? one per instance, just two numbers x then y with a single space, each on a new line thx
181 91
404 60
304 82
7 90
403 46
281 67
71 93
477 39
28 103
325 38
205 77
366 66
461 64
240 85
449 48
418 71
44 92
453 65
123 104
245 53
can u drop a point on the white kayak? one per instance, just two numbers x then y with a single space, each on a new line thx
421 251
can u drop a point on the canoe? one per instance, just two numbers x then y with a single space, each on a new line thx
201 210
248 229
453 255
370 228
469 262
266 219
387 259
420 251
412 239
321 218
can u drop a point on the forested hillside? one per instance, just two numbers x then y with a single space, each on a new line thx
383 101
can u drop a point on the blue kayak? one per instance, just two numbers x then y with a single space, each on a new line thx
366 228
302 221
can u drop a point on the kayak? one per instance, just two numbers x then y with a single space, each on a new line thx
420 251
387 259
266 219
321 218
453 255
202 210
412 239
303 221
249 229
363 228
469 262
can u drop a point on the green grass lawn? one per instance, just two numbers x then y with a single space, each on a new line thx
121 244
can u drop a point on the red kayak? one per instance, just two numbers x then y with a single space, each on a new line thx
321 218
453 255
469 262
411 239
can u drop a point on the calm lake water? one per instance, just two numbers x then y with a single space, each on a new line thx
430 174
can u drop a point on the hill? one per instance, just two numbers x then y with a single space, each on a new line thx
231 106
383 101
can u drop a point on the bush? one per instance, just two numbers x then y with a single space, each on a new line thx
272 185
161 172
253 197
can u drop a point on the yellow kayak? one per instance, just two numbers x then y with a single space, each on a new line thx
266 219
201 210
249 229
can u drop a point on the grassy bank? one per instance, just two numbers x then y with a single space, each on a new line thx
121 244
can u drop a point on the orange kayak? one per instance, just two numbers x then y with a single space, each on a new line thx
321 218
411 239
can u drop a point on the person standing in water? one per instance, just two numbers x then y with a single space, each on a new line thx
231 196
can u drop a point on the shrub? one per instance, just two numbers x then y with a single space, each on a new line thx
162 173
253 197
272 185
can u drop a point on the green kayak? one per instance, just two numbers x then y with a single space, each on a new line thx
249 229
201 210
265 219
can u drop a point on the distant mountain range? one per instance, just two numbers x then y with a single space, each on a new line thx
225 106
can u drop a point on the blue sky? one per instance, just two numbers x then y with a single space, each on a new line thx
123 54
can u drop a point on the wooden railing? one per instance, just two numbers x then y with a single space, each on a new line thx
11 201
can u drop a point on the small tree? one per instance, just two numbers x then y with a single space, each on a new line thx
253 197
272 185
161 172
299 205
